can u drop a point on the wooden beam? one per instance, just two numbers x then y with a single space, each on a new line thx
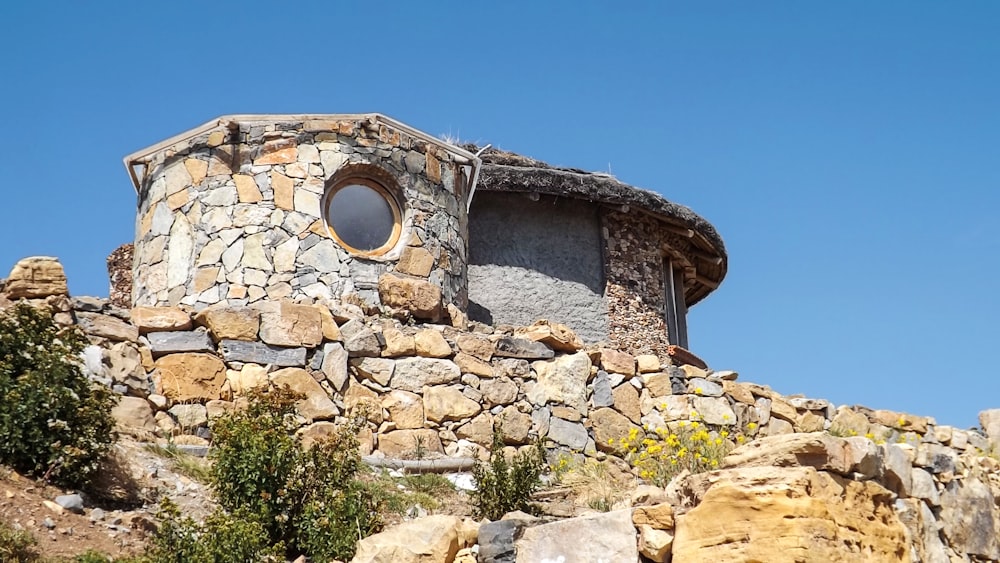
707 257
706 282
687 233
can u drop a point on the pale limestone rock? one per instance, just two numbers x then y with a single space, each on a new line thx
405 409
124 365
331 331
189 377
307 203
515 426
786 514
284 323
413 374
230 323
323 256
562 381
922 487
432 539
969 518
448 403
189 416
35 278
647 363
898 474
655 544
404 443
659 384
334 366
133 414
317 404
284 255
421 298
316 432
359 399
739 392
177 177
254 256
179 258
499 391
626 401
989 420
557 336
430 343
714 410
232 255
478 430
818 449
703 387
609 426
608 536
614 361
473 365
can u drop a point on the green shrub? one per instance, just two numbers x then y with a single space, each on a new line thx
222 538
502 485
16 545
311 500
54 422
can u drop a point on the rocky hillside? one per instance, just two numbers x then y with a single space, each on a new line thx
791 478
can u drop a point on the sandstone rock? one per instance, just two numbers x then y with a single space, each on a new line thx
901 421
608 536
259 353
359 399
522 348
316 432
359 340
230 323
36 277
106 326
216 408
189 377
250 376
172 342
430 343
739 392
655 544
330 329
406 409
786 514
432 539
562 381
317 404
515 426
473 365
378 370
124 366
413 374
556 336
398 344
627 402
415 261
420 297
617 362
818 450
448 403
647 363
288 324
476 346
152 319
133 414
609 427
659 385
404 443
658 516
478 430
925 536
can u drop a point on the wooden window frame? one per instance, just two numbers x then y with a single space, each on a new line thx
377 180
674 307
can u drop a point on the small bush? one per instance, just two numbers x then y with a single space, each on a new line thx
222 538
54 423
503 486
16 545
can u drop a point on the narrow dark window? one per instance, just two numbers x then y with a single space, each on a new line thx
675 308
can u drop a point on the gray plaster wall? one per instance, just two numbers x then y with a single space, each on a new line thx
531 260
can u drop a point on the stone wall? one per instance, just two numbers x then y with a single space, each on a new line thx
541 258
636 246
233 216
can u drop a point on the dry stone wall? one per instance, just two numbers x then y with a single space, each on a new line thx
234 216
815 483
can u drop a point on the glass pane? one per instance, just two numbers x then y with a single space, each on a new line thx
361 217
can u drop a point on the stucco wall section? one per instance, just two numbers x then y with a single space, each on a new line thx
537 259
235 215
636 247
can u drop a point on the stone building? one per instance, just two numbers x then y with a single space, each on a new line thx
250 208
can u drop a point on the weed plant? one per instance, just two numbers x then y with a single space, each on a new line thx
503 486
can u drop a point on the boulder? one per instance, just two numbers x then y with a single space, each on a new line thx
615 361
406 409
610 426
432 539
430 343
378 370
36 277
557 336
106 326
407 443
260 353
818 450
153 319
250 376
189 416
189 377
420 297
499 391
334 365
969 518
398 344
786 514
573 435
317 404
476 346
608 536
133 414
359 340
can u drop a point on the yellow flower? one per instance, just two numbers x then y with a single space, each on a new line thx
697 390
715 463
740 439
870 436
751 426
725 417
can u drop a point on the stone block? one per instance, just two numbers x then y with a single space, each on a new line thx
421 298
615 361
573 435
359 340
230 323
189 416
188 377
415 261
106 326
289 324
473 365
413 374
378 370
398 344
557 336
499 391
425 540
404 443
511 347
609 427
607 536
316 404
260 353
133 414
405 409
562 381
334 365
161 343
448 403
153 319
430 343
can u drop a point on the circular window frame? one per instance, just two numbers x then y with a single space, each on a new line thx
379 181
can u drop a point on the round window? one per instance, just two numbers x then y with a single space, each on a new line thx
362 215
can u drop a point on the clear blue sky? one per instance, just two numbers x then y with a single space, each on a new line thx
848 152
